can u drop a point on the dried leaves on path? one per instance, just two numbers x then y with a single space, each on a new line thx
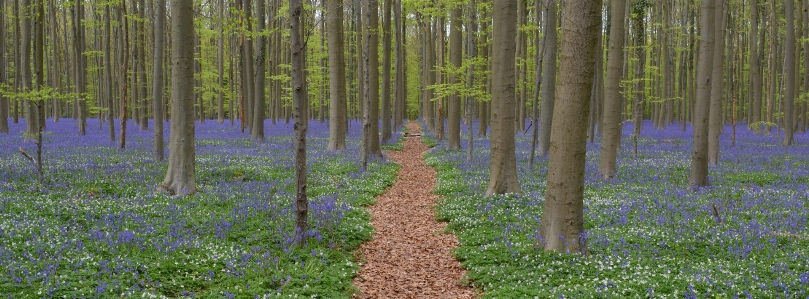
410 255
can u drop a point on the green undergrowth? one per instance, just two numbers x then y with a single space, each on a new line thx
106 233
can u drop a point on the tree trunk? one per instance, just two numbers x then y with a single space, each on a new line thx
503 162
611 124
454 101
144 102
715 122
562 223
386 129
300 101
220 63
548 80
699 156
3 72
258 107
789 74
399 95
337 85
180 177
157 78
124 77
371 144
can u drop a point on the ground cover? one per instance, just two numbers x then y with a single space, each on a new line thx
98 229
647 236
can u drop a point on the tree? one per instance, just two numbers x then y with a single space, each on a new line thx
715 114
611 123
386 64
81 65
563 214
337 86
755 68
370 128
699 155
3 73
258 108
503 161
220 63
300 101
789 74
157 79
108 70
180 177
454 101
548 79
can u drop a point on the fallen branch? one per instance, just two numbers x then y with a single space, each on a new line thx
27 156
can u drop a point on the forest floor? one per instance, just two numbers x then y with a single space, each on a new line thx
410 253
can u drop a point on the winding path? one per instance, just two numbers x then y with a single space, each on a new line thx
410 255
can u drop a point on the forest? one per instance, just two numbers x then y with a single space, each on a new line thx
404 148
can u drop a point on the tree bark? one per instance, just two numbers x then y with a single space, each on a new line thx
157 78
755 75
300 101
337 86
562 223
789 74
144 102
548 80
699 156
454 101
386 64
258 107
4 111
715 122
180 176
611 124
220 63
371 144
503 161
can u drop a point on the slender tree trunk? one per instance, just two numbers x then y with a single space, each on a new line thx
503 162
157 79
144 102
399 95
258 107
124 77
715 122
371 126
108 71
3 71
454 101
699 155
300 102
220 62
180 177
549 80
611 131
337 86
562 224
471 48
789 74
386 128
31 117
81 66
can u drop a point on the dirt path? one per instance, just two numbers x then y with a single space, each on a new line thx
409 255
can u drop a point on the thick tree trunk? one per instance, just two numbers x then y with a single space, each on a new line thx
157 78
548 80
180 177
300 101
789 74
611 123
337 77
715 122
562 223
454 100
503 162
699 156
